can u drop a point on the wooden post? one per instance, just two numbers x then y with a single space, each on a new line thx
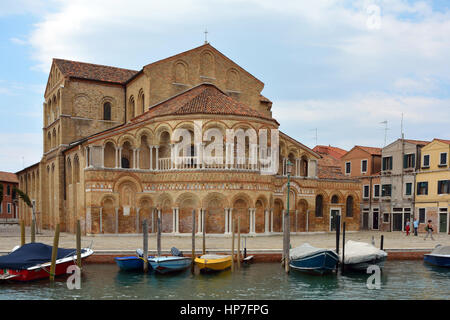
338 231
22 232
33 231
54 253
239 244
232 246
78 244
343 248
382 242
33 224
203 231
145 243
193 242
158 240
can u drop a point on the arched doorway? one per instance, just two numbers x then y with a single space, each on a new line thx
260 216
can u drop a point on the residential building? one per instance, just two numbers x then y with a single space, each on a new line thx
364 163
433 186
8 205
399 165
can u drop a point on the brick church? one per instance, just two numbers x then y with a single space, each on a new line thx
109 156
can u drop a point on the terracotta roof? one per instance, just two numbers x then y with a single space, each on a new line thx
442 140
329 167
417 141
205 98
371 150
329 150
8 177
91 71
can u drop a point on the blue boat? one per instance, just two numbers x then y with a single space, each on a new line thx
132 263
440 256
175 262
307 258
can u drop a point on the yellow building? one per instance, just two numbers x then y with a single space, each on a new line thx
433 186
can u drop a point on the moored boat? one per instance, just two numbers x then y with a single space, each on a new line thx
440 256
358 256
169 264
307 258
132 263
32 261
213 262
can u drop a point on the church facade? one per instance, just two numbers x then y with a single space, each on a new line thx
111 156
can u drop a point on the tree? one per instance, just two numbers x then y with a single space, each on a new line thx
22 195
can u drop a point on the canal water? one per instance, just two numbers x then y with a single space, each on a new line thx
399 280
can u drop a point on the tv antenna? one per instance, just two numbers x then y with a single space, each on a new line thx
206 35
385 122
315 135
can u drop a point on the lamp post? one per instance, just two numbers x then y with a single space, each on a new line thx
286 219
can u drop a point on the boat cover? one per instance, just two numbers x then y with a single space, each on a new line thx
442 250
357 252
303 251
32 254
213 256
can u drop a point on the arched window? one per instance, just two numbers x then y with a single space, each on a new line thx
8 190
107 111
349 209
334 199
319 206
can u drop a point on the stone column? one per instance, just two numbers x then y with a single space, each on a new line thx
177 220
86 156
138 154
266 221
226 220
120 157
153 220
90 156
271 220
151 158
200 216
252 220
116 156
157 157
117 219
172 156
174 220
101 220
229 155
103 156
296 220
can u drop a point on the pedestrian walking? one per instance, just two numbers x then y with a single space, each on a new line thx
416 226
407 227
429 230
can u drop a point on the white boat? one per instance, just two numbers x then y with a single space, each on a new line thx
359 256
440 256
169 263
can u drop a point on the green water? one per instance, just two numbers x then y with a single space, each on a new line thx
399 280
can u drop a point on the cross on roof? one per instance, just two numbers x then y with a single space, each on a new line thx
206 35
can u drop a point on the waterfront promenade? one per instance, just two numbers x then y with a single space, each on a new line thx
10 237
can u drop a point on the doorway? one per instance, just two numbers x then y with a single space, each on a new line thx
443 222
333 218
375 219
397 222
365 220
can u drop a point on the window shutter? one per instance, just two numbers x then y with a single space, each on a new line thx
405 161
413 160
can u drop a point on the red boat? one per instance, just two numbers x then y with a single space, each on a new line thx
32 261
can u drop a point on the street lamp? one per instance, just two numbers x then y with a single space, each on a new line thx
286 219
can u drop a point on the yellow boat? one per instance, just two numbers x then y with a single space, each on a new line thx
213 262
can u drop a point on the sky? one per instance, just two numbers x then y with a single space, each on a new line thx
335 68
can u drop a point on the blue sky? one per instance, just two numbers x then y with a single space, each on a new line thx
337 66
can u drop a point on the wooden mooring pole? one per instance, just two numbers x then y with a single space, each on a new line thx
203 232
338 234
239 244
33 224
382 242
54 253
343 249
232 246
145 243
193 242
22 232
78 244
158 237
